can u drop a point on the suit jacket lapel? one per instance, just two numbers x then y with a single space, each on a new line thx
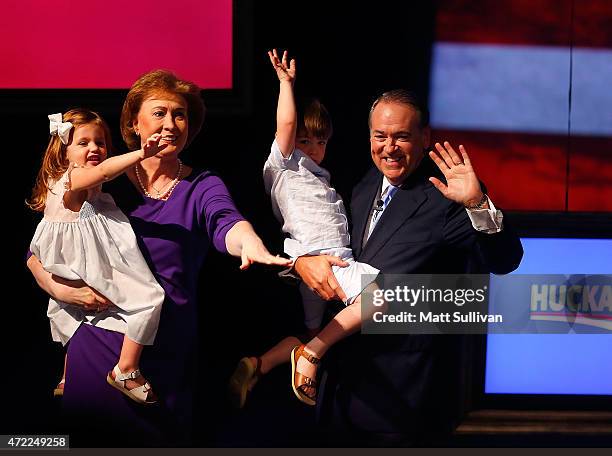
402 206
362 205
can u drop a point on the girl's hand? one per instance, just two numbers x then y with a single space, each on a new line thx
284 71
152 146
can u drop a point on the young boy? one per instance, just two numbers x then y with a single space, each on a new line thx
314 217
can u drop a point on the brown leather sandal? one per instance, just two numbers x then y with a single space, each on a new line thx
240 380
299 382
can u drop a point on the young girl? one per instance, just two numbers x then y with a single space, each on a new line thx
313 215
83 235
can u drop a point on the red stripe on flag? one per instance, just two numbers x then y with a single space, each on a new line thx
593 23
531 22
521 171
590 177
527 172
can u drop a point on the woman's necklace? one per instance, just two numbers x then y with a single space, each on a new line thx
160 194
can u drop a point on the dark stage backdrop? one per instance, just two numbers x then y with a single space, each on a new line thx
347 54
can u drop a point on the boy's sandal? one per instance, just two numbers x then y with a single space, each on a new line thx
299 382
59 390
239 382
139 394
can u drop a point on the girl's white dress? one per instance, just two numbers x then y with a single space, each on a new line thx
97 244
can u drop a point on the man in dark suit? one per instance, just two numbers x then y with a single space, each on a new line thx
410 215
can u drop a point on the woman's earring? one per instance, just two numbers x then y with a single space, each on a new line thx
137 133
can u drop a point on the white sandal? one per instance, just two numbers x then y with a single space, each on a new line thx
139 394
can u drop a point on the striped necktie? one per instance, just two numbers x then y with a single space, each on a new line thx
378 211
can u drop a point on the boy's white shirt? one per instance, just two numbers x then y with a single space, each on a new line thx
311 211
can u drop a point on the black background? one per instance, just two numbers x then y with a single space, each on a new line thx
347 53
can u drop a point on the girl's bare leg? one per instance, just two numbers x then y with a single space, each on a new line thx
64 373
129 361
59 389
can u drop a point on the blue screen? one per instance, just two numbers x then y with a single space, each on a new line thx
554 363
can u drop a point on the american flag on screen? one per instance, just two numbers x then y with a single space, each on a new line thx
526 87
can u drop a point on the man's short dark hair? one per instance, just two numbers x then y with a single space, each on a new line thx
405 97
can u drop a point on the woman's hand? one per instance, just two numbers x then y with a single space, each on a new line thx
242 241
254 251
74 292
78 293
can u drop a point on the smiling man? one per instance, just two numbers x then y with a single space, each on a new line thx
412 214
398 137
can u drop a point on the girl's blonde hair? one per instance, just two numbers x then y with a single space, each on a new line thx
55 162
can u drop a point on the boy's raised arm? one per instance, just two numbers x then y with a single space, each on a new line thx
286 116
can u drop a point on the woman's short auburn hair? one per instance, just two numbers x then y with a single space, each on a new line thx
154 83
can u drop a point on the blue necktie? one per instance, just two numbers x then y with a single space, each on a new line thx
378 212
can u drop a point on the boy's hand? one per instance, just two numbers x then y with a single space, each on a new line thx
152 146
284 71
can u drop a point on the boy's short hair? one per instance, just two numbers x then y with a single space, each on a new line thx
314 119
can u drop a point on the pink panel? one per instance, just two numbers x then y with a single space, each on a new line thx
108 44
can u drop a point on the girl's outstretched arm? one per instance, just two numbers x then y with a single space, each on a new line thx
286 116
84 178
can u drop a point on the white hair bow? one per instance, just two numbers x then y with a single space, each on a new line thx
59 128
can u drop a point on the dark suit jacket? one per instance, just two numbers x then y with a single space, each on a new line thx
392 390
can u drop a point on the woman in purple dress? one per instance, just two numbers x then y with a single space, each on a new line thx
177 213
